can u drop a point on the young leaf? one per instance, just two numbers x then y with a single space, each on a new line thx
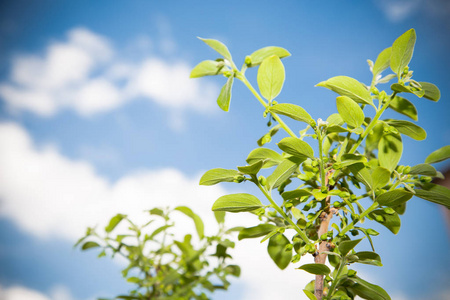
431 91
438 155
237 203
219 47
199 226
256 231
271 77
434 193
347 86
335 120
283 171
394 198
292 111
295 194
390 221
316 269
220 216
423 169
409 129
89 245
380 177
252 169
350 111
351 159
206 68
402 51
234 270
403 106
367 290
225 94
346 246
270 157
296 147
310 295
390 151
259 55
382 62
215 176
268 136
369 258
277 251
114 222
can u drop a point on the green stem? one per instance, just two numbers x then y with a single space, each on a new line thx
322 164
365 213
336 278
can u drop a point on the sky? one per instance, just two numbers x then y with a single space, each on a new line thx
98 116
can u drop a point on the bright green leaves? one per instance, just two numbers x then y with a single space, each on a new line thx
347 86
380 177
270 157
237 203
252 169
402 51
346 246
366 290
438 155
257 57
296 147
271 77
278 251
390 220
215 176
409 129
219 47
390 150
404 107
432 92
114 222
382 62
199 226
423 169
207 68
434 193
350 111
89 245
283 171
316 269
394 198
256 231
292 111
225 94
369 258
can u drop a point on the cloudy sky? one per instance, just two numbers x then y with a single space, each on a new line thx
98 116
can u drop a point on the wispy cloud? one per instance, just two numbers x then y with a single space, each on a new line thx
400 10
24 293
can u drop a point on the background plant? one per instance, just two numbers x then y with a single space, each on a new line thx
160 265
356 163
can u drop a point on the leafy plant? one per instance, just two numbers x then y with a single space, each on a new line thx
357 159
161 266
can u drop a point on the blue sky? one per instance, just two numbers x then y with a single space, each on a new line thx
98 115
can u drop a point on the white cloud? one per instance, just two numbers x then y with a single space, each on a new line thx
400 10
21 293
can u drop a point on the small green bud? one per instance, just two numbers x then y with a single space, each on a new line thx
426 179
274 102
314 163
324 237
393 129
372 232
227 74
351 273
265 114
307 207
262 180
248 60
296 258
400 169
337 204
288 247
314 136
331 181
405 70
354 232
344 194
374 91
379 218
355 217
281 230
407 170
238 178
330 233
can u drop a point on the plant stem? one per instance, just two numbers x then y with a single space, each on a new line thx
336 278
322 164
365 213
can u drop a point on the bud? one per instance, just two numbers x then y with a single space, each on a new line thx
227 74
248 60
379 218
324 236
406 70
372 232
262 180
354 232
288 247
337 204
374 91
407 170
351 273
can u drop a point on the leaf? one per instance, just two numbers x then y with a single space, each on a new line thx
346 246
316 269
390 221
295 194
283 171
380 177
220 216
402 51
207 68
390 151
217 175
237 203
368 290
374 137
277 251
219 47
350 111
292 111
296 147
270 77
335 120
409 129
347 86
270 157
309 295
434 193
403 106
431 91
225 94
89 245
394 198
438 155
361 173
114 222
259 55
156 211
199 226
234 270
382 62
350 159
369 258
268 136
423 169
252 169
256 231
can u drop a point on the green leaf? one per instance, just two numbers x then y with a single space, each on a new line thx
374 137
434 193
438 155
350 111
390 221
402 51
114 222
423 169
390 150
404 106
292 111
316 269
346 246
89 245
382 62
361 173
237 203
295 194
347 86
157 212
431 91
220 216
277 251
252 169
199 226
215 176
225 94
207 68
271 77
394 198
350 159
380 177
256 231
268 136
219 47
233 270
309 295
283 171
369 258
409 129
259 55
296 147
368 290
270 157
335 120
